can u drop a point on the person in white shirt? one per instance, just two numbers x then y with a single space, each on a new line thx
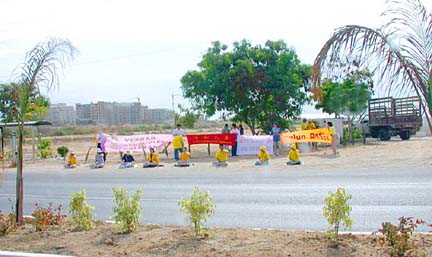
234 130
178 131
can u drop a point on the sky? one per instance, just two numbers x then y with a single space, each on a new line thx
134 49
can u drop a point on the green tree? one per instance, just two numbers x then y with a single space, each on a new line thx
24 98
399 52
255 85
337 211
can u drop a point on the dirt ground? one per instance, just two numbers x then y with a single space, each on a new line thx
165 240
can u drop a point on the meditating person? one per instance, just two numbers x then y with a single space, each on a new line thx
294 156
99 160
263 156
221 157
152 160
72 161
128 160
184 160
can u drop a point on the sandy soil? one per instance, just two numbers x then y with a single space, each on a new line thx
160 240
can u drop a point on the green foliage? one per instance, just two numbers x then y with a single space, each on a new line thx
337 212
256 85
188 119
81 212
46 217
127 211
62 151
398 237
199 208
7 223
44 148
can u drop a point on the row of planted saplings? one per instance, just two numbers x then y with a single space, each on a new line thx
199 208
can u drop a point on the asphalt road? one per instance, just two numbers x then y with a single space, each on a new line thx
257 199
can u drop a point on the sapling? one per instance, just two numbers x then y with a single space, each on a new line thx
199 208
337 212
127 211
81 212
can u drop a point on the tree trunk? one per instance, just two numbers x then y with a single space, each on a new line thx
19 179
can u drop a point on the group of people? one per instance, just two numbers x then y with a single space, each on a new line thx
182 155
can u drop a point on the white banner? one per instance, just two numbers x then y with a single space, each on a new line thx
250 145
136 143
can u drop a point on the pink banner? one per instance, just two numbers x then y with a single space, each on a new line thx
136 143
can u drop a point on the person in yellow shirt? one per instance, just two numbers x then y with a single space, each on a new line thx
263 156
184 158
221 157
178 146
333 136
304 125
294 156
311 125
153 159
72 161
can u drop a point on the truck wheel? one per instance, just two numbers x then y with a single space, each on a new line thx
405 135
384 134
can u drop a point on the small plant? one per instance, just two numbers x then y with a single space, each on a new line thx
81 212
337 212
398 237
199 208
7 223
44 148
45 217
127 211
62 151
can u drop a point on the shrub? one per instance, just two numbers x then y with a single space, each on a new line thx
44 148
199 208
7 223
45 217
336 210
62 151
398 237
81 212
127 211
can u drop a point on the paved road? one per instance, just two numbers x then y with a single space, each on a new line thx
259 198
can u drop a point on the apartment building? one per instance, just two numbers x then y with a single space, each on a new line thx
61 114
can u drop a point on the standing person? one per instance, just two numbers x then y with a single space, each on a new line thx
276 131
311 125
241 129
178 134
304 125
221 157
294 156
178 131
225 129
263 157
234 130
333 136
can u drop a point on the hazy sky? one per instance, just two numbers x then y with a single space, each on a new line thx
130 49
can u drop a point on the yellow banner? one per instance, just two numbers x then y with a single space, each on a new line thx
313 135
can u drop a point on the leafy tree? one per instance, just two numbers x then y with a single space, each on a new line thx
337 211
399 52
256 85
24 99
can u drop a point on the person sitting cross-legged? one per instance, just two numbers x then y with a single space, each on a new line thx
128 160
72 161
221 157
294 156
99 160
153 159
184 158
263 157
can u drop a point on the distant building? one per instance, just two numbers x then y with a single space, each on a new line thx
61 114
113 113
158 115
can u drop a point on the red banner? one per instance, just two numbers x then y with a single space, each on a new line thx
225 139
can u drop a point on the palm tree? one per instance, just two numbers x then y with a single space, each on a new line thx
400 52
39 71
